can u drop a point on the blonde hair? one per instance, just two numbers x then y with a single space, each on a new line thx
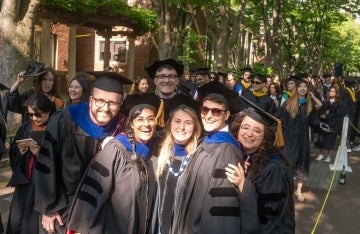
292 105
167 146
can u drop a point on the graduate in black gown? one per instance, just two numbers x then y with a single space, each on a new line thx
259 94
182 133
22 216
265 180
297 114
206 202
117 193
73 136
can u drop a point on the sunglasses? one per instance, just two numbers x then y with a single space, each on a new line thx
256 82
214 111
36 115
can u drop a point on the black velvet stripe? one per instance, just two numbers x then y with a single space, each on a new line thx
219 173
42 168
225 211
44 151
93 183
272 196
223 192
101 169
87 197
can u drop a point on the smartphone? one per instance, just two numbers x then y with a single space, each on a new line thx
27 140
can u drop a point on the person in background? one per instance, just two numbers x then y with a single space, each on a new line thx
23 152
350 99
117 193
297 114
259 95
332 113
289 90
183 131
204 202
326 85
265 180
232 83
44 82
166 74
222 77
78 90
268 82
274 93
246 78
73 136
214 76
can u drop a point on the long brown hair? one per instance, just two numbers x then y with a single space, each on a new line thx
167 146
292 104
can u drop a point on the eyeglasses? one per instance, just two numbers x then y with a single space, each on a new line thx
141 120
214 111
101 103
163 77
256 82
246 129
36 115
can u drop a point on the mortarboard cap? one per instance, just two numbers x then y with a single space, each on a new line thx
261 116
35 69
181 99
223 74
205 71
3 87
326 76
293 78
151 71
246 69
229 97
349 79
137 99
110 81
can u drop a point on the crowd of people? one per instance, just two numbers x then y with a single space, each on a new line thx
204 152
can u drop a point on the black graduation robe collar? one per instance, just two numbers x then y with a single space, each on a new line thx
80 115
220 137
141 149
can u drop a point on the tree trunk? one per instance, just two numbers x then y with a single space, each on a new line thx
16 38
173 19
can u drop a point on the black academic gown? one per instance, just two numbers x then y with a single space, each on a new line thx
166 196
264 102
297 139
267 203
22 216
206 202
111 199
62 160
334 119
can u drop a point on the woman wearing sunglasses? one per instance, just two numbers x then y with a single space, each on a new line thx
23 152
206 202
265 180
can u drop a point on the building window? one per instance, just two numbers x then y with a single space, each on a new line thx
117 51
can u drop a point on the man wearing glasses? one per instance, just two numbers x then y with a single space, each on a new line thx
259 94
73 136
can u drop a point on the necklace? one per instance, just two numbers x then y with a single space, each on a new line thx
184 162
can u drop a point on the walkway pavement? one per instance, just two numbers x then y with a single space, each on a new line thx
340 214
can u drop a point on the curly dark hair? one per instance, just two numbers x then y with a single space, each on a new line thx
267 148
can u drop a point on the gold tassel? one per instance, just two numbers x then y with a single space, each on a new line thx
160 117
279 137
132 89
